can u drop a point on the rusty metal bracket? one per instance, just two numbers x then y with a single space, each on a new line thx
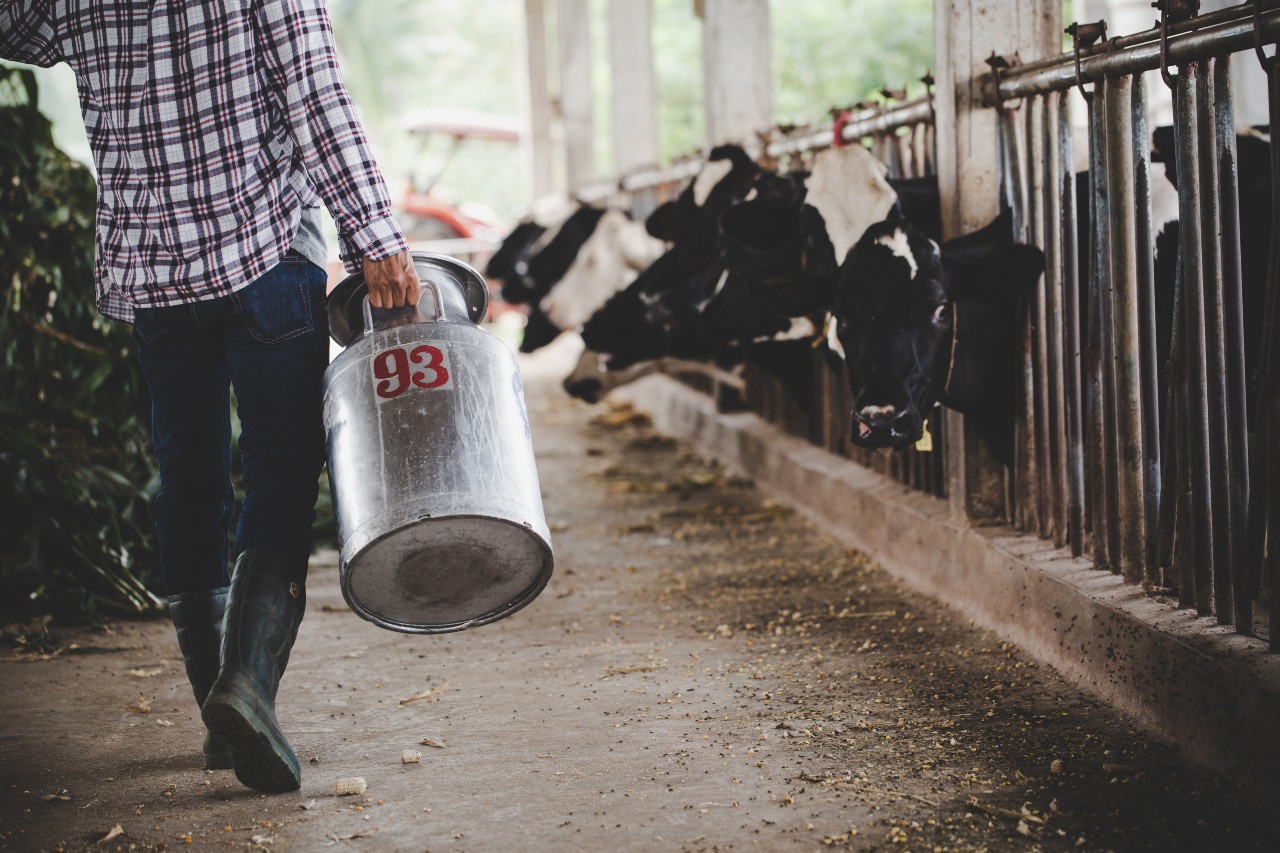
998 64
1085 36
1172 11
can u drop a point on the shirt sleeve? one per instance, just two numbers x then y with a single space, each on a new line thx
27 34
302 67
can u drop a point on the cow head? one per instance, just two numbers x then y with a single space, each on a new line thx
788 242
897 300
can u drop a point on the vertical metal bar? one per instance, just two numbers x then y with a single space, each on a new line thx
1149 364
1126 363
1056 390
1011 161
919 150
1215 341
1068 245
1035 109
1174 540
1187 118
902 144
1111 507
1099 465
1233 341
1264 503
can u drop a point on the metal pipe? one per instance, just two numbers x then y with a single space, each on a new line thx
1068 246
1124 342
1173 528
1056 391
1148 363
1237 438
1034 139
1101 436
1264 503
1206 19
1187 118
1009 160
918 111
1215 341
1231 35
865 123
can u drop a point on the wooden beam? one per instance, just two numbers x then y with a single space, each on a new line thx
965 33
635 130
576 93
537 107
737 70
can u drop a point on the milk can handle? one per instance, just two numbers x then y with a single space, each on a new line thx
427 284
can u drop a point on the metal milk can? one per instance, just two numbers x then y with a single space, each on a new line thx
440 520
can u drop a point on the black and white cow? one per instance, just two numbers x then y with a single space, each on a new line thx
921 324
789 249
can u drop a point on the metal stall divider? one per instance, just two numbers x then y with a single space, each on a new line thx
1153 478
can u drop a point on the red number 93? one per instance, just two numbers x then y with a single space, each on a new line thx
392 370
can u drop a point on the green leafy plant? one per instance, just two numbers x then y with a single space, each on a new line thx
76 479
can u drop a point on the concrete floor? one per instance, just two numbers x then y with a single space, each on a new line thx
706 671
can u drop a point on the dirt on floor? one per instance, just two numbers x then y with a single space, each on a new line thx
706 671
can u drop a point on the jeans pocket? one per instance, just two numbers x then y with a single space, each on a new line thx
284 303
148 324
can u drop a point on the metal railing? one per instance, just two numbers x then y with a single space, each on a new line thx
1150 477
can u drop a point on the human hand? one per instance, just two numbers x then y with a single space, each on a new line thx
392 282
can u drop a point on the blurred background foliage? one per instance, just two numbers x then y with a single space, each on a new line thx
76 480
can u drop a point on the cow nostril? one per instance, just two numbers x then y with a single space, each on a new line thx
877 414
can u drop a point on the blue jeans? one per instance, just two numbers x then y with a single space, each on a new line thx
270 341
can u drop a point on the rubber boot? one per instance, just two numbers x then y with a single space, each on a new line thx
197 616
264 610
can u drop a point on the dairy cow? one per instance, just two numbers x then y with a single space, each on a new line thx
921 324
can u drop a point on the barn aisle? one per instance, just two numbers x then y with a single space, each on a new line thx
705 671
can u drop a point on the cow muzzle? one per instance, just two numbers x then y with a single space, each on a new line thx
885 426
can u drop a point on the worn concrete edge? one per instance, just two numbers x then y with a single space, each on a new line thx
1180 676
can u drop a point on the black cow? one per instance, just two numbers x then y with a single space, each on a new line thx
1253 171
921 325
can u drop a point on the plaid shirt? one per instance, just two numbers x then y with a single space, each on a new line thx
212 125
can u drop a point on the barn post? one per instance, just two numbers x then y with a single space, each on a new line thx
966 33
576 93
635 130
737 70
537 108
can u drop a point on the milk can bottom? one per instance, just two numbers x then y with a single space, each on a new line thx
446 574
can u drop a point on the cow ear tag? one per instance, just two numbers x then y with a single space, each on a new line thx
925 444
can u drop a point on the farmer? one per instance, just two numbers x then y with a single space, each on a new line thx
217 130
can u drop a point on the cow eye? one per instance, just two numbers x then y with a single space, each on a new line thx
941 314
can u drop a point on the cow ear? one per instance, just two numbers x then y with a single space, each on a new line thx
1002 275
973 246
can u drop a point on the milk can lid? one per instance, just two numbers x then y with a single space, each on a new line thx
345 302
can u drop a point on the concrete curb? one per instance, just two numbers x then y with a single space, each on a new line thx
1181 676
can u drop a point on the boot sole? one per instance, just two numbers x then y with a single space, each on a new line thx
260 754
219 761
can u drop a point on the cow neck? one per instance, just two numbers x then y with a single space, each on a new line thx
981 334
